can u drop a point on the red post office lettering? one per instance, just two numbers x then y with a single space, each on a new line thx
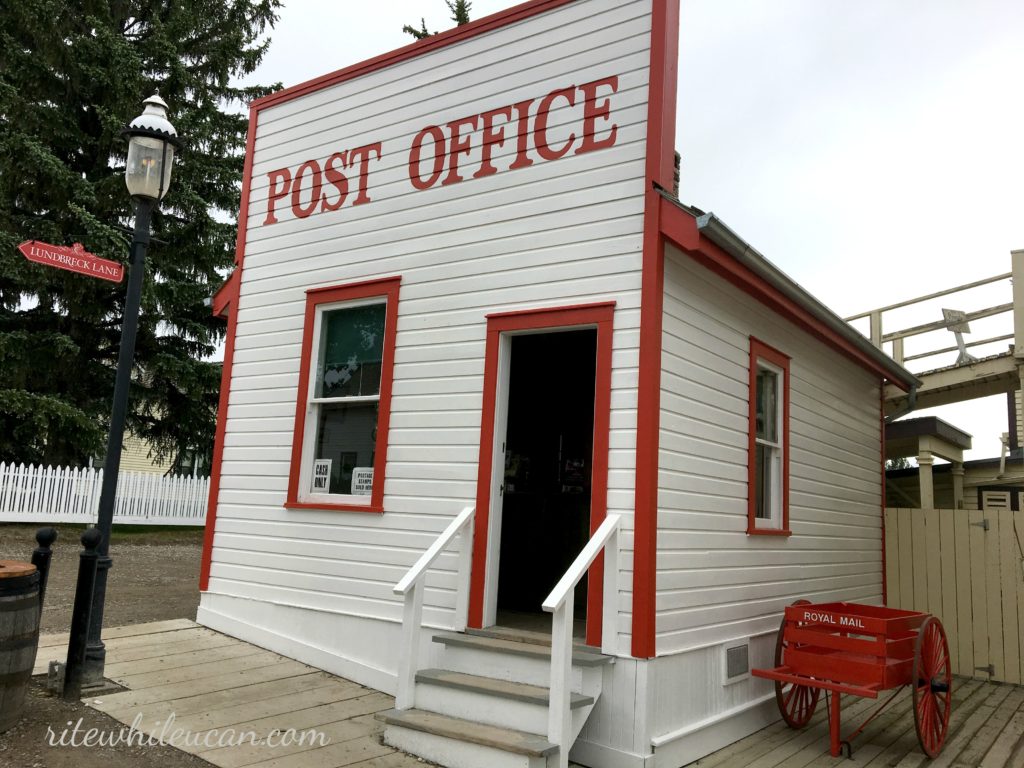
316 186
576 119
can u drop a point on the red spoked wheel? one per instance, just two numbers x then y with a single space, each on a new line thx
932 677
796 702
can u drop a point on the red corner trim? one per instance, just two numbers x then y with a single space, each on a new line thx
386 287
225 303
599 315
881 421
679 228
761 351
432 43
243 208
661 121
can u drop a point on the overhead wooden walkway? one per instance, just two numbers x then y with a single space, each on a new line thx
986 731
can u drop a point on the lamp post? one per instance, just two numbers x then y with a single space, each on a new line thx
152 141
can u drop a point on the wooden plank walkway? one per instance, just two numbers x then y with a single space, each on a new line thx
213 684
986 731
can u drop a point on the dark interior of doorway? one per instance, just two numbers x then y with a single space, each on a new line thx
548 454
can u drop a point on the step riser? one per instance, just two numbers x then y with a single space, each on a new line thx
492 710
516 669
456 754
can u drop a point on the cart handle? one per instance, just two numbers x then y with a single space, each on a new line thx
786 675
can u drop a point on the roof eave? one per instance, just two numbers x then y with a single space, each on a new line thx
719 233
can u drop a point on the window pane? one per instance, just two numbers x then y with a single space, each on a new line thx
351 348
763 483
767 405
346 437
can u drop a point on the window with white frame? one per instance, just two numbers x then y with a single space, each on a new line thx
769 396
345 398
344 395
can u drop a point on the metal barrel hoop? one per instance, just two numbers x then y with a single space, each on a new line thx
932 681
797 702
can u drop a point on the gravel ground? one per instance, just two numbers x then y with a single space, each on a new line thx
155 576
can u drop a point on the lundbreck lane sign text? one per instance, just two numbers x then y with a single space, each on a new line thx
73 259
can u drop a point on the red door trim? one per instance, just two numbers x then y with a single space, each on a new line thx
597 316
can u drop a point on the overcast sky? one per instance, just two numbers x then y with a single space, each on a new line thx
874 150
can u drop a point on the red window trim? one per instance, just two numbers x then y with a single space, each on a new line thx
761 351
386 288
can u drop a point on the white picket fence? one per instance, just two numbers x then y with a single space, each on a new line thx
30 494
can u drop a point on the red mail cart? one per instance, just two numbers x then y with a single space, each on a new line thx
862 649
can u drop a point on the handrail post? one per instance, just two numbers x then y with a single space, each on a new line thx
876 328
610 600
465 569
1017 270
409 653
411 587
559 712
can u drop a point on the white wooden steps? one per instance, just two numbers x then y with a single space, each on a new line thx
488 706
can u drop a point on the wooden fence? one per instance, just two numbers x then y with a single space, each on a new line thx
30 494
967 568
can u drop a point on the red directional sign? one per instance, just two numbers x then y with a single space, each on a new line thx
74 259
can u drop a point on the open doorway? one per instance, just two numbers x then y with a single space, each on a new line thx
547 486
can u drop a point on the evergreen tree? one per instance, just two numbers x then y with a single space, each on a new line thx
72 74
460 15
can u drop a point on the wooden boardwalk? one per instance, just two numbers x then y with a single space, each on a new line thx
212 683
986 731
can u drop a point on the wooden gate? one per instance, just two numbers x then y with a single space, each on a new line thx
967 568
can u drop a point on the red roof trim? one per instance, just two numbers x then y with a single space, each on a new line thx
432 43
225 296
680 228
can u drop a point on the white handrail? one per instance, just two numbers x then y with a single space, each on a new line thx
560 603
411 587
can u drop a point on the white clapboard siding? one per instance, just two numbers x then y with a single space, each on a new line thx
714 581
37 494
562 232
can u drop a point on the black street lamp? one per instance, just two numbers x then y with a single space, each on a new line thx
152 141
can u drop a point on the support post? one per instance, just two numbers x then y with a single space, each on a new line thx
1017 269
957 471
408 661
74 670
465 572
876 328
96 653
559 712
835 746
924 474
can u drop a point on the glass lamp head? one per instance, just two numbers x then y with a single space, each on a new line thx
151 144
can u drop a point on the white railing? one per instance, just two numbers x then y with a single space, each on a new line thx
560 604
36 494
411 588
881 335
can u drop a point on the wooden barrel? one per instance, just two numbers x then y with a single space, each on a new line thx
19 636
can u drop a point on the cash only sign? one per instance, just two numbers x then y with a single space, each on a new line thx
73 259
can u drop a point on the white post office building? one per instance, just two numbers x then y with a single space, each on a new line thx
509 431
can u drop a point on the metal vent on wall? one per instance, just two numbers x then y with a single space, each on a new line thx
736 661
